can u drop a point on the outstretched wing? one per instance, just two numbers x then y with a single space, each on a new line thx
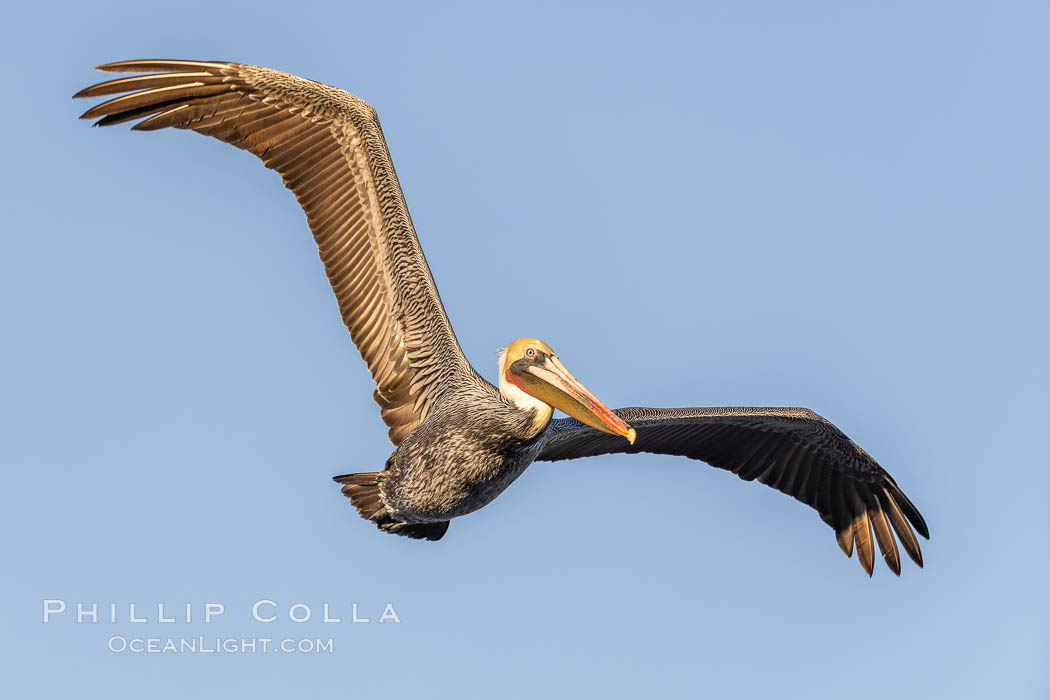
329 149
794 450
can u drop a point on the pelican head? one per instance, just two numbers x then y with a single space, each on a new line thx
532 377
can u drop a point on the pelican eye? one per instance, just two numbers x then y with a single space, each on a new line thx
530 352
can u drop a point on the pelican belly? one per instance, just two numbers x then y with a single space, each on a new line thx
448 468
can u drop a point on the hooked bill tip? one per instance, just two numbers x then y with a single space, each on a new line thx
631 435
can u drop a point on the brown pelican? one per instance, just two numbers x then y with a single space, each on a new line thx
459 440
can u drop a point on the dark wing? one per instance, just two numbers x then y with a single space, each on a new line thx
329 149
794 450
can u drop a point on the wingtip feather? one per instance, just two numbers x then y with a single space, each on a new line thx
900 524
154 65
845 539
862 531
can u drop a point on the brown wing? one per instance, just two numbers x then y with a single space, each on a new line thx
329 149
794 450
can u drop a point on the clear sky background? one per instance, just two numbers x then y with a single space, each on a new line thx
752 203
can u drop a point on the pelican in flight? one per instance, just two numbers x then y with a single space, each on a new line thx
460 441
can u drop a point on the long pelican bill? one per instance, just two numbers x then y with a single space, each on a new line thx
550 382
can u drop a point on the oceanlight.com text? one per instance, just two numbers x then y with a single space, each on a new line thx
119 644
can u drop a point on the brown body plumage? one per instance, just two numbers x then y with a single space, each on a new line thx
457 461
461 441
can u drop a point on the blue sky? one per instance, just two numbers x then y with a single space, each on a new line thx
805 204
